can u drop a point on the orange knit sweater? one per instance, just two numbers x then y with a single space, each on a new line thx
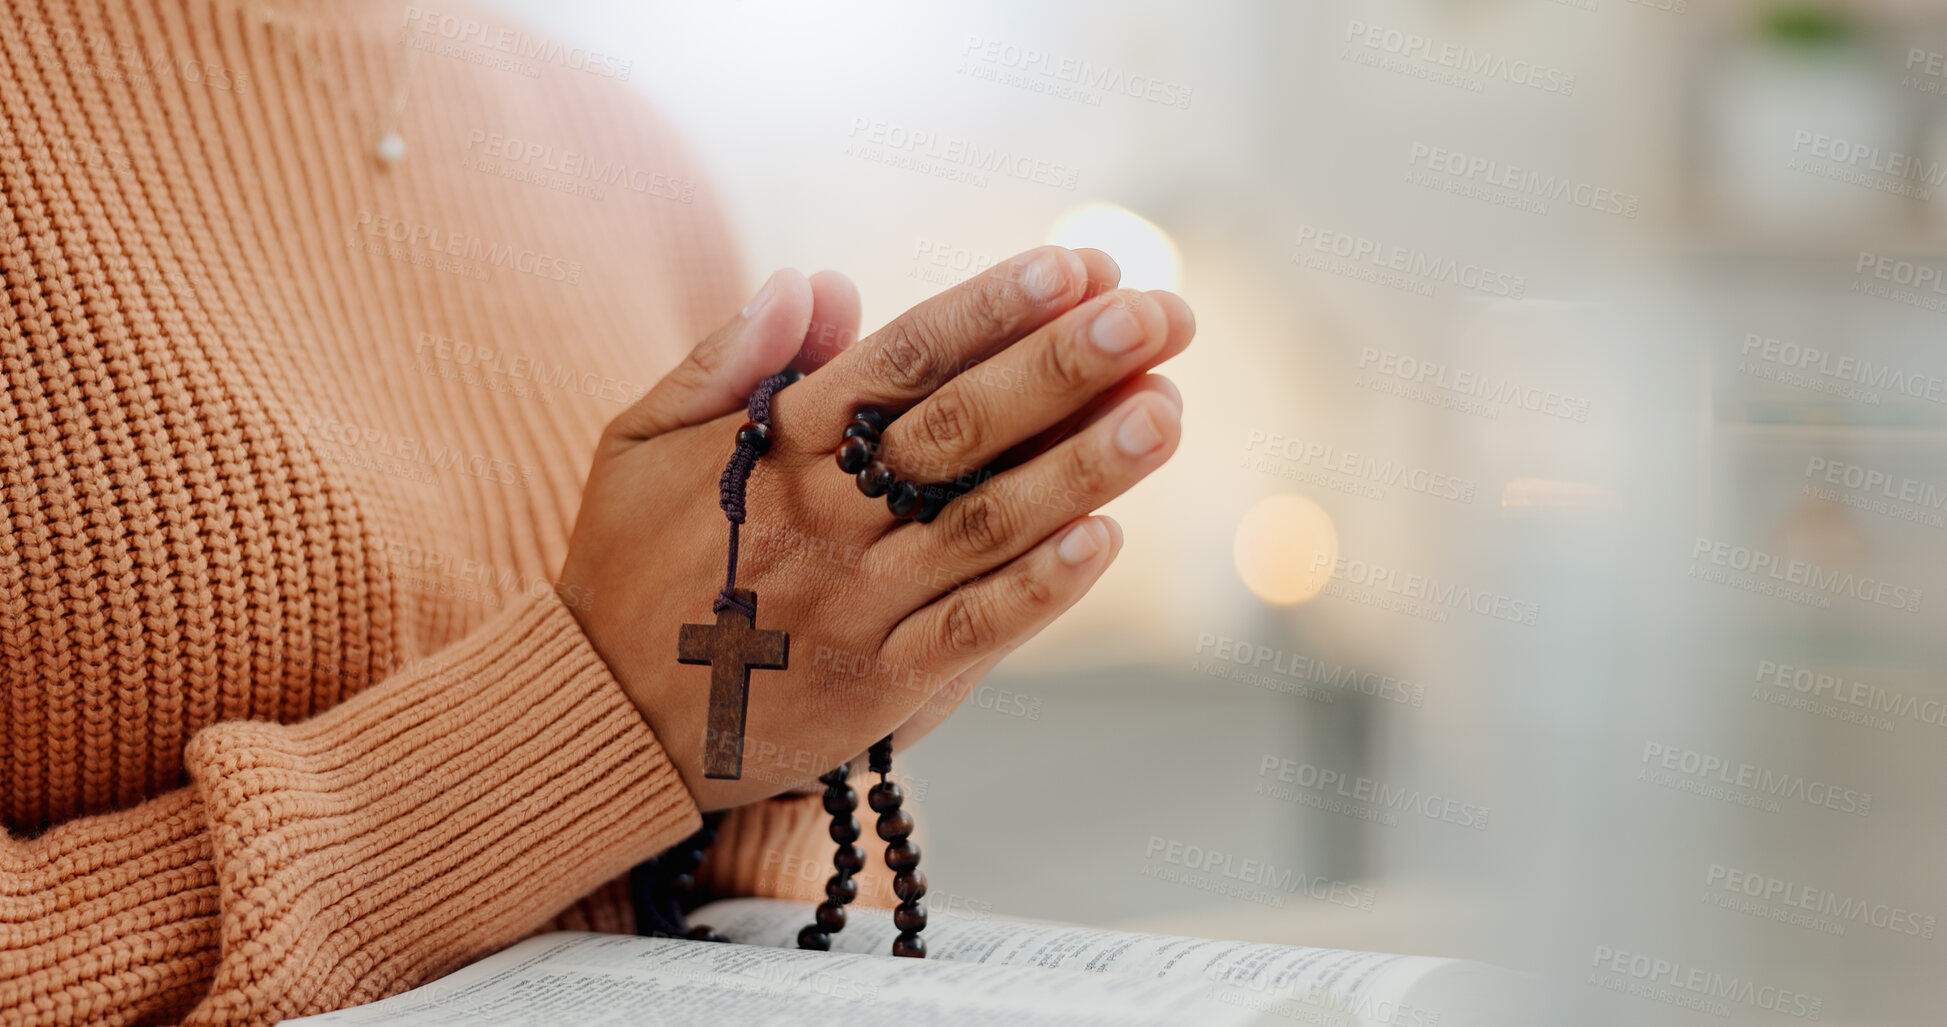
290 444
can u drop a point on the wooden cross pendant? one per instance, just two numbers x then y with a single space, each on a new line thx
733 647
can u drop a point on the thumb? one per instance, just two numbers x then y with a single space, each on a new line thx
723 369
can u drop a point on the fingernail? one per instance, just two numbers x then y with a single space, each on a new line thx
1138 433
763 296
1080 545
1116 329
1045 278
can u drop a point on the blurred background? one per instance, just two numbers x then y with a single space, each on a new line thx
1550 574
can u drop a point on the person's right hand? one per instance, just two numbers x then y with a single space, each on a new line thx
1038 363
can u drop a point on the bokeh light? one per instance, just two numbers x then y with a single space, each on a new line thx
1284 548
1146 253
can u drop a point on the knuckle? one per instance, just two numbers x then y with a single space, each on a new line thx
987 312
707 359
1034 592
979 523
907 357
1086 474
1063 367
948 424
967 625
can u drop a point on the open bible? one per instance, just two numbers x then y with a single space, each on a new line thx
988 971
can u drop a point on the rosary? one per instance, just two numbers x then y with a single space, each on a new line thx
732 648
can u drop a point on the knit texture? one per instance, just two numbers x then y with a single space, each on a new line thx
290 445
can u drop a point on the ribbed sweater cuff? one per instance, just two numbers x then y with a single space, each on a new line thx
438 816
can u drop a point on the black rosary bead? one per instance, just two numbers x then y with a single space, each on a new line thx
875 479
756 436
845 829
884 796
902 855
895 824
853 455
840 800
903 499
932 499
857 455
840 889
664 885
682 860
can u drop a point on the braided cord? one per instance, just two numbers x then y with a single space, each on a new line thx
736 478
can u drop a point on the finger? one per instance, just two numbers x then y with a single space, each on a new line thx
834 321
1027 387
1183 320
1103 272
719 374
949 696
922 348
1183 328
1006 514
1098 408
974 623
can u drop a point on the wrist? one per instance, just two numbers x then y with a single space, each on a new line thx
657 714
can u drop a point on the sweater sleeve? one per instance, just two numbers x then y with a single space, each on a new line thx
435 817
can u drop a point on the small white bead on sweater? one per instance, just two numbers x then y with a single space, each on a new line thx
392 149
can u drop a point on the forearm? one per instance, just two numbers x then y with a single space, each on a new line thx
432 818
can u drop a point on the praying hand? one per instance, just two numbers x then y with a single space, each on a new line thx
1038 367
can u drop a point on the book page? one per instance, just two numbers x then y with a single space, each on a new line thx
597 979
1333 987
